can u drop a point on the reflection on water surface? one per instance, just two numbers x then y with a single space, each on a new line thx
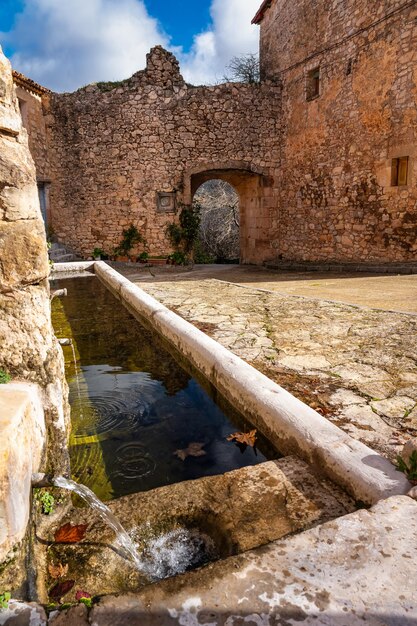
135 410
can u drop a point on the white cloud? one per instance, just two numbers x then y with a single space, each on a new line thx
231 34
64 44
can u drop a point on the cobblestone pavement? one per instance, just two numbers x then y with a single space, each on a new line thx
357 366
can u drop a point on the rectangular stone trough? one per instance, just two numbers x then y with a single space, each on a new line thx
290 425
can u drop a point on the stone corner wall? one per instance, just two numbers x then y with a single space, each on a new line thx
29 350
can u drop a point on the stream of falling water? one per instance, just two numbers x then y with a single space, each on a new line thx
123 540
165 555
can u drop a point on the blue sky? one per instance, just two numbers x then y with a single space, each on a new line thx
64 44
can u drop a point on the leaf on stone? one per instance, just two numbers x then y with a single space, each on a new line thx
59 590
82 594
246 439
58 570
70 534
193 449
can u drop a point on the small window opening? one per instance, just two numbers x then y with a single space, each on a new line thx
313 84
399 172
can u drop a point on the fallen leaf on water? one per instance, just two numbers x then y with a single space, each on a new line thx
70 534
58 570
194 449
82 594
61 589
247 439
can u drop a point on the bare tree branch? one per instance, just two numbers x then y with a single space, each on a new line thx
219 227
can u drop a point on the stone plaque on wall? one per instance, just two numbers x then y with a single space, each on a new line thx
166 202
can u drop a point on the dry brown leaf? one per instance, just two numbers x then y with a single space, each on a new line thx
193 449
70 534
247 439
58 570
61 589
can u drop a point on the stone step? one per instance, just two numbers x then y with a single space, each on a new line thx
372 268
59 253
63 258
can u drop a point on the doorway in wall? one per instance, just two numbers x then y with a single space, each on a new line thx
219 234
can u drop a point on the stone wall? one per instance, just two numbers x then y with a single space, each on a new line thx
115 146
30 100
29 350
336 199
313 174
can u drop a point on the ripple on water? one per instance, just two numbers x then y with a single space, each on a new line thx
133 461
109 411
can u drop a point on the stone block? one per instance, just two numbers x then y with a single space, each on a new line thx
23 253
238 510
359 568
22 433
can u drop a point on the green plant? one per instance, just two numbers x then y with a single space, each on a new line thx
5 599
46 500
184 235
4 377
130 237
97 252
410 470
143 256
178 258
174 233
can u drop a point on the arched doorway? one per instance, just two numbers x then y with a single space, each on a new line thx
254 214
219 234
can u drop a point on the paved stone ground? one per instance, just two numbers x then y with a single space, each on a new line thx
356 365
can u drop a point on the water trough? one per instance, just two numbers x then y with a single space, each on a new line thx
290 425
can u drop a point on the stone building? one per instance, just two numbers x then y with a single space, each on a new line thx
322 152
348 169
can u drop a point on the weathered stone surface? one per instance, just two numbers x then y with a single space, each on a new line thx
21 412
372 352
409 448
76 616
28 348
23 614
239 510
359 568
336 198
23 246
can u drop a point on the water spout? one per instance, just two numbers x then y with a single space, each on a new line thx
123 540
65 342
59 293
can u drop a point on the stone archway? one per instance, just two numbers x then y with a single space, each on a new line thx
249 183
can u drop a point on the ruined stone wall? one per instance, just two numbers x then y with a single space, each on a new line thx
28 348
336 200
113 147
